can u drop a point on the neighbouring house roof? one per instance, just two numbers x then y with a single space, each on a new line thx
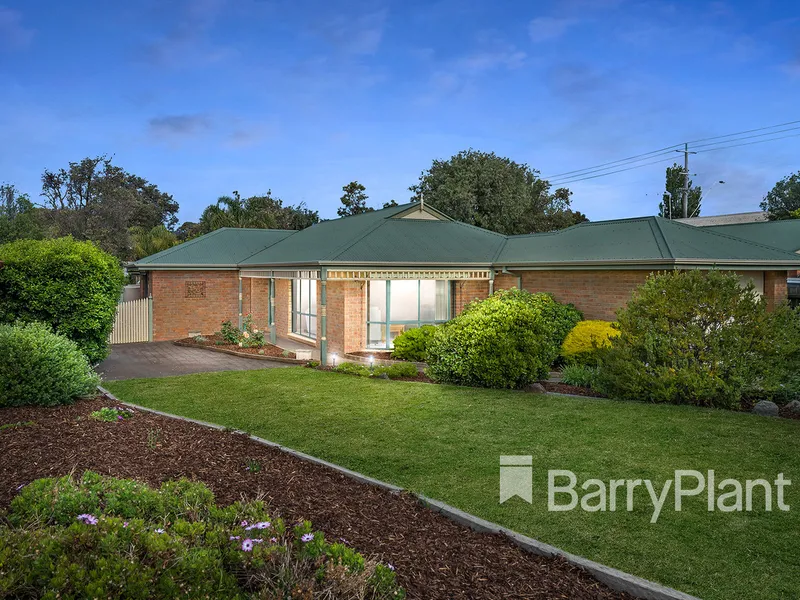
406 235
644 240
780 234
731 219
224 247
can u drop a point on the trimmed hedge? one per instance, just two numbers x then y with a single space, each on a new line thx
39 367
413 344
72 286
506 341
587 338
101 537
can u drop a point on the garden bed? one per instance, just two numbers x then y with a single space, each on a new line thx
558 387
217 343
434 557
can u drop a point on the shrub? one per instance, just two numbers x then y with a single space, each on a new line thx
229 333
248 337
412 344
100 537
72 286
587 338
779 380
110 413
397 371
350 368
40 367
506 341
688 337
580 375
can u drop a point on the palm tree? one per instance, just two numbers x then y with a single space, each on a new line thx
235 212
145 242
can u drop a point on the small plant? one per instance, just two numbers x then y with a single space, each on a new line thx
219 343
252 466
250 337
413 343
312 364
154 438
200 339
229 333
396 371
350 368
285 354
579 375
15 425
261 352
585 343
112 413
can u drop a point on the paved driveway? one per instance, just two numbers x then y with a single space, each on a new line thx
163 359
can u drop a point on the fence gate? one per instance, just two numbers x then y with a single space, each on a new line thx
133 322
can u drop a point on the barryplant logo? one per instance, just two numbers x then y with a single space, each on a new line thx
565 493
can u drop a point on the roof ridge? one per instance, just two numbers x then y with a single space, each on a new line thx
349 244
660 234
733 237
182 244
293 231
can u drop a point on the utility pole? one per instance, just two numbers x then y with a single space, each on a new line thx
685 193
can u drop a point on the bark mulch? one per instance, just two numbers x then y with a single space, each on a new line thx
575 390
435 558
216 341
378 354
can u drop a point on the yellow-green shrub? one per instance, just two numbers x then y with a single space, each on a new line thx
586 338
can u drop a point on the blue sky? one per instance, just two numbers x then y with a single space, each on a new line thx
203 97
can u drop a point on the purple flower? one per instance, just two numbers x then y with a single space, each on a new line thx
257 540
88 519
125 524
159 530
119 417
244 523
19 487
260 525
234 537
247 545
273 540
391 566
307 537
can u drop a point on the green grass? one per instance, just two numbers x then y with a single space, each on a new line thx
445 442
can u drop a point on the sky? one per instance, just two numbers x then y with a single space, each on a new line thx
203 97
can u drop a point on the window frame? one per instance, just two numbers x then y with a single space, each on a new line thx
297 313
388 322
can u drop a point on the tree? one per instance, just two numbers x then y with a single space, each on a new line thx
149 241
354 200
19 219
96 200
495 193
390 203
783 201
187 231
671 206
263 212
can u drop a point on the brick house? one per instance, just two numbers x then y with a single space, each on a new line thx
355 283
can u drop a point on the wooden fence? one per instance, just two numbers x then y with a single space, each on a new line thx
132 323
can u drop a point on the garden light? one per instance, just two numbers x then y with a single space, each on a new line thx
334 356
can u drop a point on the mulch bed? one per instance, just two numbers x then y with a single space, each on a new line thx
575 390
435 558
378 355
212 342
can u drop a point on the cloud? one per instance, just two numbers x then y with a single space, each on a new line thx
544 29
174 127
359 35
13 35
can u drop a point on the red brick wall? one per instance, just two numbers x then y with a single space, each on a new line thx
505 282
598 294
347 329
255 301
776 289
465 292
283 306
175 315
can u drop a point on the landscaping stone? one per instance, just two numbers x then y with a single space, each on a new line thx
765 408
535 388
793 408
383 376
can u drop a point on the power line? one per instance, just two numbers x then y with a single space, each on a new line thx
750 143
747 137
630 158
742 132
564 182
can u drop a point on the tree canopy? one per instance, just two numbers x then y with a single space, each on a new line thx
495 193
19 218
671 205
262 212
783 201
354 200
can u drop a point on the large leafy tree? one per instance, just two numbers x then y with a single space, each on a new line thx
145 242
354 200
495 193
671 205
19 219
98 201
783 201
264 212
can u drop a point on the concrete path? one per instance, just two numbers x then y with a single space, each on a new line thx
164 359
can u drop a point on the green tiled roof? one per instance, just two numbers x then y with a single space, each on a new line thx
779 234
651 240
384 237
223 247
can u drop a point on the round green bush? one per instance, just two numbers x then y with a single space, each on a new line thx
73 286
412 344
583 344
506 341
692 337
39 367
101 537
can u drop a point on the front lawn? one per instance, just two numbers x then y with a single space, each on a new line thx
445 442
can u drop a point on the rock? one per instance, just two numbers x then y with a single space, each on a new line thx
383 376
793 408
535 388
765 408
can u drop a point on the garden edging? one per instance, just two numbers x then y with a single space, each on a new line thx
613 578
294 361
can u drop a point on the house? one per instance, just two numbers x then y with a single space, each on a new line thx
356 283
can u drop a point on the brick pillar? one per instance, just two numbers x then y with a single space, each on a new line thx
776 289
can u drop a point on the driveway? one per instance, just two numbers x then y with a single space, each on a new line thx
164 359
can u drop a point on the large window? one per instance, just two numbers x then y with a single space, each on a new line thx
398 305
304 307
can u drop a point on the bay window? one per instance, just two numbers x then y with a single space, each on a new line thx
395 306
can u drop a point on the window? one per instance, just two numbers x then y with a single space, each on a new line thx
304 307
398 305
